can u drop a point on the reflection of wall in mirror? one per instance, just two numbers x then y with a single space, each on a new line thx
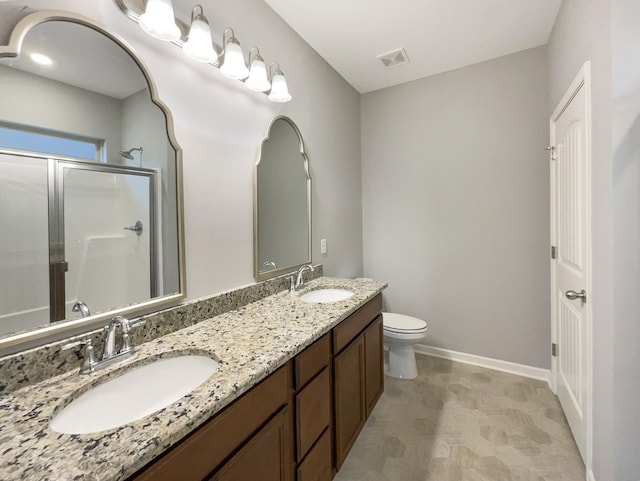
282 199
144 125
36 101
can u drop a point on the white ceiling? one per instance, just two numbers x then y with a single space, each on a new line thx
438 35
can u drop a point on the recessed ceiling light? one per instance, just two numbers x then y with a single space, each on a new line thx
41 59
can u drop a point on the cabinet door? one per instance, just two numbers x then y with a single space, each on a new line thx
266 457
374 380
349 375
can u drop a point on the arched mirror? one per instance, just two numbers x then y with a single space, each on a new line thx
90 181
282 201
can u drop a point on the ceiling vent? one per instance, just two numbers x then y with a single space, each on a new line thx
393 58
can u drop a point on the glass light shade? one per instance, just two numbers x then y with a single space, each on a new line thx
279 91
158 20
257 79
233 65
199 45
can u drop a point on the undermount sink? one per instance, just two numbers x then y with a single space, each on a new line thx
326 295
133 395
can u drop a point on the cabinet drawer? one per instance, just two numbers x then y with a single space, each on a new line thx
312 360
313 412
200 453
353 325
317 465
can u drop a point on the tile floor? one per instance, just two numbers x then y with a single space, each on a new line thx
457 422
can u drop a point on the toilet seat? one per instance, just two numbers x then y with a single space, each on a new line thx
402 324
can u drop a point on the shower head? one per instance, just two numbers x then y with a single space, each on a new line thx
127 153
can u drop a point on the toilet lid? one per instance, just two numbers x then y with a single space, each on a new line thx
401 323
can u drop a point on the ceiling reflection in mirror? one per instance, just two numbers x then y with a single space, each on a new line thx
282 201
89 181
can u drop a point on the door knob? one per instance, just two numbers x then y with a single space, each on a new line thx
573 295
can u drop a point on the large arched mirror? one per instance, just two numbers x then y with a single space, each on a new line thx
90 181
282 201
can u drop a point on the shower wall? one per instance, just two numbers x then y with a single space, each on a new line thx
109 266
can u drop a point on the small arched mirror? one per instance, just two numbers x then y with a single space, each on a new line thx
90 185
282 201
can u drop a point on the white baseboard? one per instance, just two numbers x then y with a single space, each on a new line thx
590 476
496 364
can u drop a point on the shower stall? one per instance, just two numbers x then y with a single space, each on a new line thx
73 231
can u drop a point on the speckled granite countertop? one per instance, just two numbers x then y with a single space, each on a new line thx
250 343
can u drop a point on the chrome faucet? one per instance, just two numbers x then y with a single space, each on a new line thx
110 354
296 280
110 338
81 307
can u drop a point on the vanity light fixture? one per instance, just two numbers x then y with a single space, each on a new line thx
279 90
159 22
199 45
258 79
233 65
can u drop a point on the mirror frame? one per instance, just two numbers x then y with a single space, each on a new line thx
12 50
280 270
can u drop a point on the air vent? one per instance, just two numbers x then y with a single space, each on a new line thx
393 58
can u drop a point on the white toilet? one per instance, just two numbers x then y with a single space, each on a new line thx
400 334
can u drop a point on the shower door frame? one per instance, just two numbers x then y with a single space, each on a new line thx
58 265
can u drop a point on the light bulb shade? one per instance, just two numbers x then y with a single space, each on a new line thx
257 79
199 45
158 20
233 65
279 91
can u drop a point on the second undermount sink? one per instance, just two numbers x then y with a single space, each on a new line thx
133 395
326 295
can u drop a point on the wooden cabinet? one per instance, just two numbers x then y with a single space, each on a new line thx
358 374
350 414
265 457
296 425
314 411
374 370
201 453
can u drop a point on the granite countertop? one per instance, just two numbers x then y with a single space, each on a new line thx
250 343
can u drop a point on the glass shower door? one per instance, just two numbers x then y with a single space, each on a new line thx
24 243
107 235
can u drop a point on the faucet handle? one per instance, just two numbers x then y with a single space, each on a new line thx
89 357
127 325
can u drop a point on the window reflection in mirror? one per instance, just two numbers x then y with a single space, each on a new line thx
282 211
88 180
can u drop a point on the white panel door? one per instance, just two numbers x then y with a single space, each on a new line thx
570 176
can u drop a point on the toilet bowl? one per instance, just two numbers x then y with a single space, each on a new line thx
400 334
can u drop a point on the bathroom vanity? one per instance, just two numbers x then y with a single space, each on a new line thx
295 383
299 423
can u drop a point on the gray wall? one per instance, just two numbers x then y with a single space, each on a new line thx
626 236
219 125
456 205
583 32
29 99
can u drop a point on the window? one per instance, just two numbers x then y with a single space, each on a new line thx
34 139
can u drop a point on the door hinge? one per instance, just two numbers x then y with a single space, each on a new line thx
552 149
553 252
554 349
